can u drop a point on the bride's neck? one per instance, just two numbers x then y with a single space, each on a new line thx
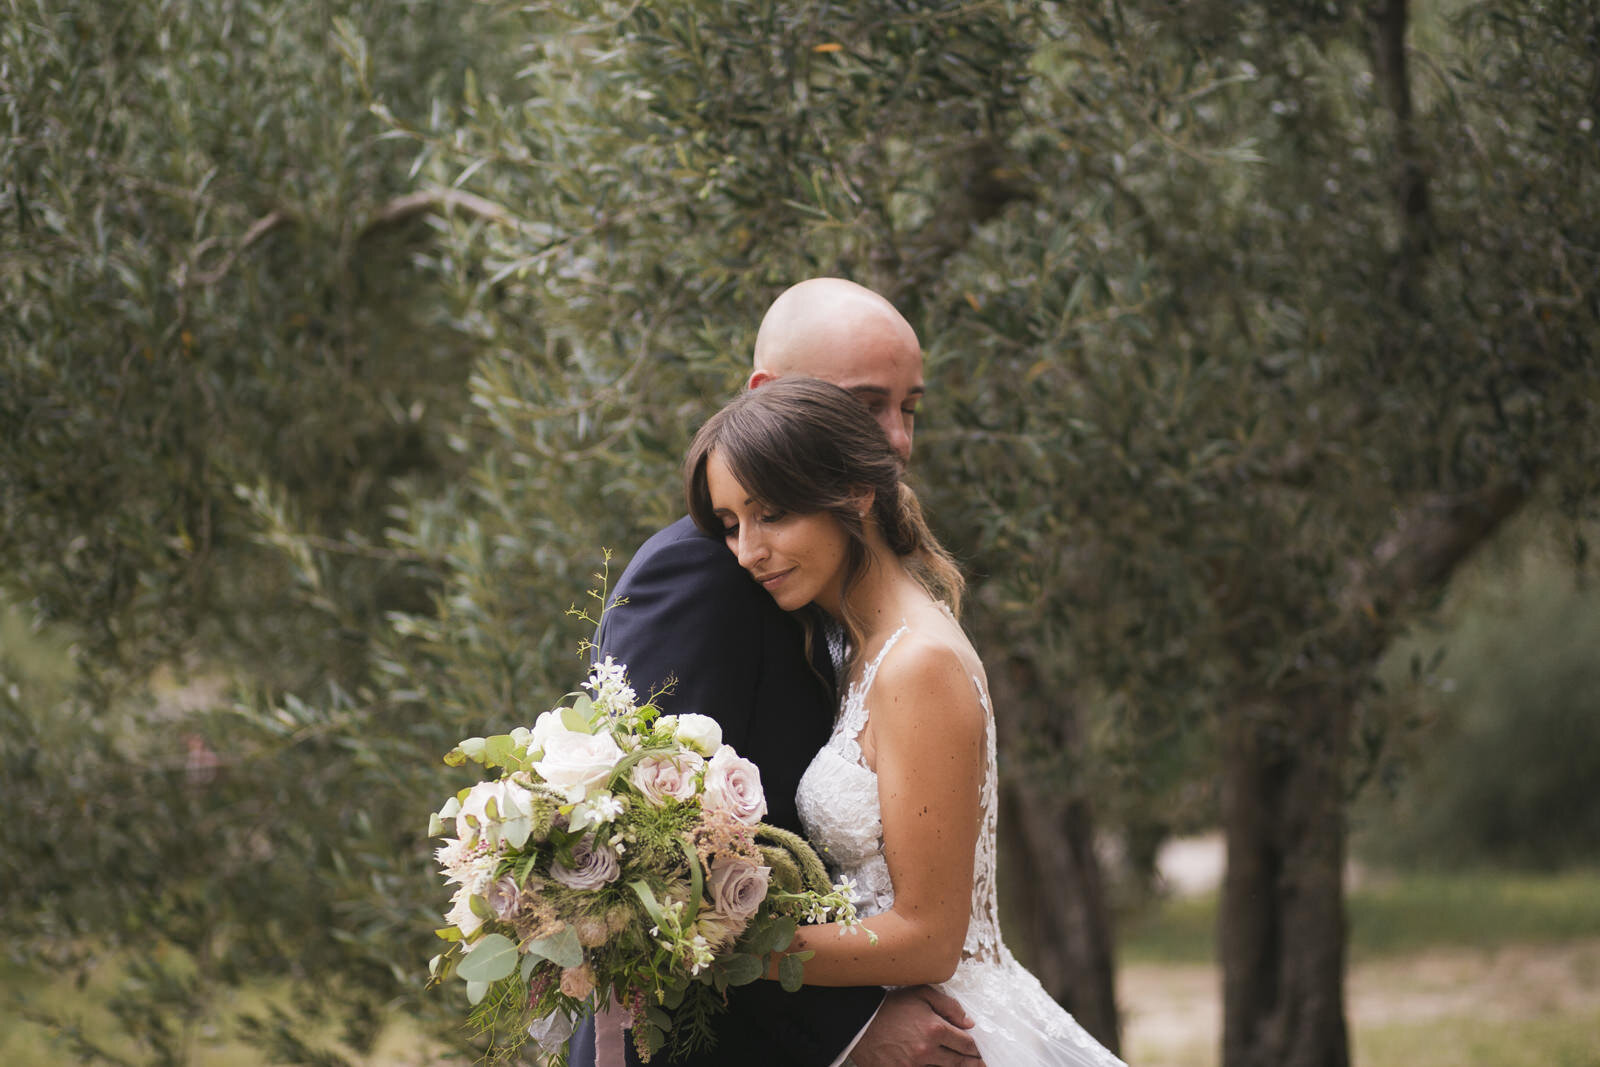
884 592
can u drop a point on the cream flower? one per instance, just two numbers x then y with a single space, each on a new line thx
489 807
700 732
576 763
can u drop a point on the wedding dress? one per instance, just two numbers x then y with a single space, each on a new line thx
1018 1024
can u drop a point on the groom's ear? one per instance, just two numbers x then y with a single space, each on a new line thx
759 378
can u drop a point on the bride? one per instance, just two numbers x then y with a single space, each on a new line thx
803 486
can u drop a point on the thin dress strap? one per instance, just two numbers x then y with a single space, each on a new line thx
853 716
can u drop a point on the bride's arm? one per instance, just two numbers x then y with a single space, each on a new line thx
928 730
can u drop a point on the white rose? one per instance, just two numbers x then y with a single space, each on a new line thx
490 804
663 778
545 727
576 763
733 785
700 732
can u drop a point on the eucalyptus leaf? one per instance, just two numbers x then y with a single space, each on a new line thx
501 751
561 949
491 959
779 935
791 973
743 969
476 991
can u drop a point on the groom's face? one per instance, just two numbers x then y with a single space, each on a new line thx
890 384
881 365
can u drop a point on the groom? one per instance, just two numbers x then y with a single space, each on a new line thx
686 610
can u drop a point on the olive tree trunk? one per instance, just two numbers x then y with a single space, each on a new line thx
1053 878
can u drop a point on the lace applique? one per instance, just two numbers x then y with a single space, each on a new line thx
983 932
853 716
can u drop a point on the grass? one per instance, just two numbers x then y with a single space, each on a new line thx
1562 1041
1401 914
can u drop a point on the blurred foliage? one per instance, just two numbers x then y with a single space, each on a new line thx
341 337
1508 684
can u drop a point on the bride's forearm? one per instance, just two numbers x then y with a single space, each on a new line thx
907 952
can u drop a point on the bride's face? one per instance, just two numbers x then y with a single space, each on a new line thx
799 559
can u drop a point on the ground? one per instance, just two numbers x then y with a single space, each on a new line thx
1495 1005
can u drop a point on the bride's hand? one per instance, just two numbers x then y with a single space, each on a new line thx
917 1027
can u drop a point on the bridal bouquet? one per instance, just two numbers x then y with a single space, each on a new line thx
619 856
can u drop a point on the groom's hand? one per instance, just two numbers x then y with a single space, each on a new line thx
918 1027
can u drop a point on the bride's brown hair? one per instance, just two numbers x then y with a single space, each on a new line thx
802 445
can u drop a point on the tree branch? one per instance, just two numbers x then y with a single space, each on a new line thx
400 210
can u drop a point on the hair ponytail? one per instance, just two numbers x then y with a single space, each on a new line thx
927 560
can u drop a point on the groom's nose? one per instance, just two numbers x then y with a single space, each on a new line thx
898 429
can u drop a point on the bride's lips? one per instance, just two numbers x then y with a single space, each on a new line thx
771 581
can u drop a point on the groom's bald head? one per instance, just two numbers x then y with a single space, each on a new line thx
844 333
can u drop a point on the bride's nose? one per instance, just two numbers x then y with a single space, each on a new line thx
751 549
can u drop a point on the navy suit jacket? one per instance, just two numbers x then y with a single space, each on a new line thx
689 612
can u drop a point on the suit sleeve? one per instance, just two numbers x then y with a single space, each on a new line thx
688 614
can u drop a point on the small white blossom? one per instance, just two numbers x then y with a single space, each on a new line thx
606 807
700 955
609 683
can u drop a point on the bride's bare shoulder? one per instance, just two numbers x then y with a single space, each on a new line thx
933 675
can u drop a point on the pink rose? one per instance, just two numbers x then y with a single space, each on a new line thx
733 785
661 778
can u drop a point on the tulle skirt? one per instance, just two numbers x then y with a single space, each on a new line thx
1018 1024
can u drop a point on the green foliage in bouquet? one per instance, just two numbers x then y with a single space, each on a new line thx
617 858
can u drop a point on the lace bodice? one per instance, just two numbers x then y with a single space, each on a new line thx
838 802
